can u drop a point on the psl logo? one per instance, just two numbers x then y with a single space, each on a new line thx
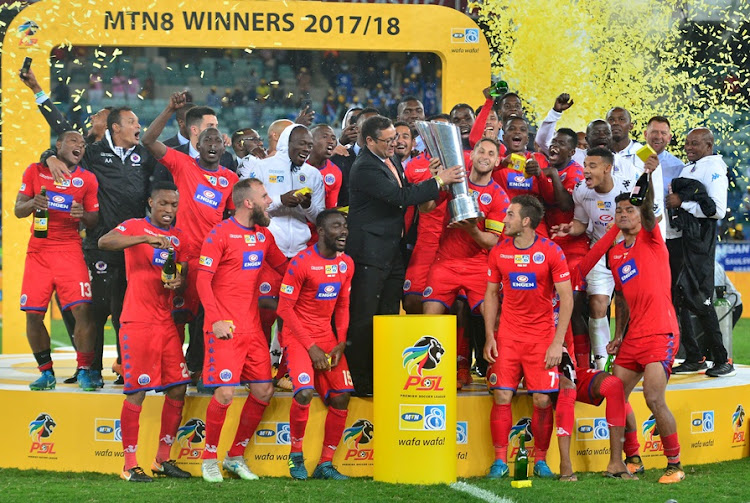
357 435
40 429
425 354
521 428
650 432
738 420
27 31
190 435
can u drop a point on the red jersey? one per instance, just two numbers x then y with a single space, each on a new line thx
204 196
570 175
234 254
642 274
148 301
332 181
319 287
515 184
528 278
456 244
430 225
62 230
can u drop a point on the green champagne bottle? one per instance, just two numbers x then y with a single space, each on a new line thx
41 218
169 270
521 470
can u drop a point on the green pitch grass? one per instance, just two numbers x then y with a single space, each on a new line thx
715 482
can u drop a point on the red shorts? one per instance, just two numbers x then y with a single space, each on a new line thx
151 357
522 359
421 261
230 362
447 278
635 354
62 271
325 382
584 382
269 282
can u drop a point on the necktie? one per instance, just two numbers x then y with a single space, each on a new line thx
393 170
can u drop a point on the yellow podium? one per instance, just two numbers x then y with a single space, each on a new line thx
415 399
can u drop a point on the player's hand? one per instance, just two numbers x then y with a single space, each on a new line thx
58 169
651 163
452 175
176 100
490 350
227 140
673 201
259 152
174 284
162 242
349 135
467 225
506 161
434 166
560 230
29 79
563 102
40 202
489 132
533 168
550 172
340 150
223 329
318 357
305 200
306 116
614 345
553 356
76 210
336 353
290 200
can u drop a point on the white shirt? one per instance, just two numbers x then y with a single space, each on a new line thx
597 210
546 132
630 167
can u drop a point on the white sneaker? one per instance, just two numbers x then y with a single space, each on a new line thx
210 470
238 466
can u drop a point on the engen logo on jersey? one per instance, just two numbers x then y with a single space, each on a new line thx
252 259
518 182
208 196
59 202
627 271
328 291
160 257
523 281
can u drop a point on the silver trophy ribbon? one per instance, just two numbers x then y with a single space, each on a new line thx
443 140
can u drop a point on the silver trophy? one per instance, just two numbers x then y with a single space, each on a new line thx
443 140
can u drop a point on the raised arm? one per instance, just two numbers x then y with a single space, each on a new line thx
151 137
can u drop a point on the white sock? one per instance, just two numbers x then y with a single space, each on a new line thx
599 335
275 348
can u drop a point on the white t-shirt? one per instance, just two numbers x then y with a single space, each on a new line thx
597 210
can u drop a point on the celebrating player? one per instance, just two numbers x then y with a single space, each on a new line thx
527 343
151 346
55 262
315 288
236 349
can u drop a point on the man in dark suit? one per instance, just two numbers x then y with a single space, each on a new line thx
345 162
196 120
379 195
183 136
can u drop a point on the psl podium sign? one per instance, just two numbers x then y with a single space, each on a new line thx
415 399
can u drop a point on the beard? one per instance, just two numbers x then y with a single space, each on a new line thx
259 217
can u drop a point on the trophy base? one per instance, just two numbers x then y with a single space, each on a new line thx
463 207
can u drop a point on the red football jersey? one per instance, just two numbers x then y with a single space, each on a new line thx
147 301
515 184
62 230
204 196
456 244
317 285
430 225
553 215
332 181
528 278
642 274
234 255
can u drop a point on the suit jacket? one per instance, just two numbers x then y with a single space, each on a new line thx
376 209
173 142
227 160
345 165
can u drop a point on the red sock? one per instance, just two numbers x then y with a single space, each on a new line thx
216 413
501 420
541 428
565 412
631 446
267 318
297 423
250 417
84 359
129 422
171 413
611 389
582 348
671 448
335 423
463 349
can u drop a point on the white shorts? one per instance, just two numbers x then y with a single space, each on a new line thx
599 280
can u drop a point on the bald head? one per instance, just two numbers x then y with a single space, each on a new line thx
699 144
274 131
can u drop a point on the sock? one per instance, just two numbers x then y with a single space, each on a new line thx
335 423
298 415
250 417
216 413
611 389
565 412
599 333
463 349
84 359
582 349
541 428
171 413
44 361
129 422
671 448
501 420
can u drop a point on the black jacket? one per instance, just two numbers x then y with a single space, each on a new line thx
345 165
376 209
173 142
227 160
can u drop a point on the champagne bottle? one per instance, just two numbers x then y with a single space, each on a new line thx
499 89
169 270
608 365
41 218
521 470
638 195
